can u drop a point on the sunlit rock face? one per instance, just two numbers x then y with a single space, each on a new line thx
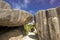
12 22
1 0
58 11
53 21
14 17
11 17
4 5
48 24
41 25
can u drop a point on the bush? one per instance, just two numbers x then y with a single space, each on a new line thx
28 28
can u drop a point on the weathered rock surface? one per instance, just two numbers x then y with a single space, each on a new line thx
41 25
1 0
48 24
14 17
9 17
12 34
53 22
4 5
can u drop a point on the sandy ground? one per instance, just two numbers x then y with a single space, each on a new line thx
30 36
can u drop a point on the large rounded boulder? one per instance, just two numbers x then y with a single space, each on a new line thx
14 17
10 17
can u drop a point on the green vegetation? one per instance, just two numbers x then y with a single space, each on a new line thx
36 33
28 28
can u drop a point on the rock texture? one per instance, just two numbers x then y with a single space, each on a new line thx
53 22
48 24
10 17
41 25
14 17
4 5
1 0
12 22
12 34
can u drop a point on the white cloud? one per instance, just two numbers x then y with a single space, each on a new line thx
26 1
52 1
24 4
16 6
31 11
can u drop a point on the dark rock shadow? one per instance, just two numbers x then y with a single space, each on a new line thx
33 36
8 32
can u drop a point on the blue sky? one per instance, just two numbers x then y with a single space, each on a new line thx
33 5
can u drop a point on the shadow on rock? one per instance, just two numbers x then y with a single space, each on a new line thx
11 33
33 36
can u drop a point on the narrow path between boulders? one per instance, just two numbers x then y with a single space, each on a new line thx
30 36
